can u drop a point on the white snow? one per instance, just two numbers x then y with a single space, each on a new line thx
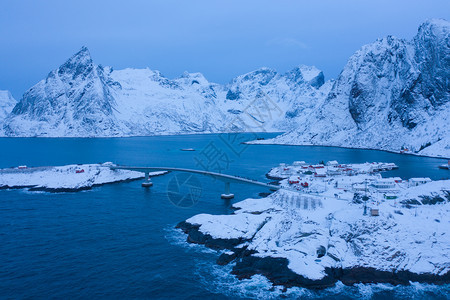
7 103
375 102
392 94
293 225
66 177
225 226
309 72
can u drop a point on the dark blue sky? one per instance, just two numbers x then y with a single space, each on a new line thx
221 39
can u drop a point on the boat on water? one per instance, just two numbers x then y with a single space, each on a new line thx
187 149
445 166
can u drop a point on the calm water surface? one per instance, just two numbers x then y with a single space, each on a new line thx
118 241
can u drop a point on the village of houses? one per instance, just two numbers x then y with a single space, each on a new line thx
344 181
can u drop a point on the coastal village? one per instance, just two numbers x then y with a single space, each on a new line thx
335 222
352 182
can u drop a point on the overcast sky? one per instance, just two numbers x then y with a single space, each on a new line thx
221 39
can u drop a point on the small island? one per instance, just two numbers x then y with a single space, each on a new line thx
69 178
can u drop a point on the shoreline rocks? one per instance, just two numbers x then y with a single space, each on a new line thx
277 271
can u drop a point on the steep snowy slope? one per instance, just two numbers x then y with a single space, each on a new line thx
147 103
83 99
7 103
73 100
391 94
275 101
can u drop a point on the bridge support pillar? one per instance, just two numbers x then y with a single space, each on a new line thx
227 194
147 182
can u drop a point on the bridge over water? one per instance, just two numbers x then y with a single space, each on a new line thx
227 179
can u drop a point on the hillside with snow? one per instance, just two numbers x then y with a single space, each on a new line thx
7 103
82 99
392 94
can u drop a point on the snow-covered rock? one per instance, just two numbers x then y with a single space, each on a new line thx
7 103
65 178
325 239
391 94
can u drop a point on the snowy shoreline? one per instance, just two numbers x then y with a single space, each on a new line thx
69 178
312 241
252 142
276 269
262 143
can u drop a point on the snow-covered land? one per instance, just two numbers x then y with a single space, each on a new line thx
316 239
392 94
65 178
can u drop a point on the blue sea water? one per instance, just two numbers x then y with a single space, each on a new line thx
119 241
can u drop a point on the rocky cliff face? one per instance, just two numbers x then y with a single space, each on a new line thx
282 98
391 94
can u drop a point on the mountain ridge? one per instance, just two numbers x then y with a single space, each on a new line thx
83 99
392 94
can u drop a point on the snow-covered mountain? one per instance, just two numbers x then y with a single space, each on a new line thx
392 94
73 100
7 103
81 98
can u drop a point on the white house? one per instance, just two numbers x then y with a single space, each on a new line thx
334 171
418 181
332 163
384 184
320 173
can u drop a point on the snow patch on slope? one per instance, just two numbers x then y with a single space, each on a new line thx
7 103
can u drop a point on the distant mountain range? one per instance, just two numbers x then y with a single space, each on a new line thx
83 99
392 94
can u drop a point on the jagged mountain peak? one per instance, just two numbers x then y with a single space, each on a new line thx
194 78
262 76
381 45
80 63
438 26
306 74
392 93
432 54
73 99
83 56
